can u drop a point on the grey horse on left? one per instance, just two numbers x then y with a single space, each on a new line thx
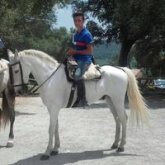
7 110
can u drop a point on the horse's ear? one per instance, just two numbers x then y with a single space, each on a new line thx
10 55
16 53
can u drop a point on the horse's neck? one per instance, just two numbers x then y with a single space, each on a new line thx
40 70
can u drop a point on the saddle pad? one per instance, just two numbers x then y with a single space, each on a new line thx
93 72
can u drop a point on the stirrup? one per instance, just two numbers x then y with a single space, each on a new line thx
75 104
80 103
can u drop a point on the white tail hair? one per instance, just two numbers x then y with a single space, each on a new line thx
139 109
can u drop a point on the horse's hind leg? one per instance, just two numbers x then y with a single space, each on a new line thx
122 116
117 121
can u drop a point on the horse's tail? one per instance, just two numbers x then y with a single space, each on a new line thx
4 113
139 110
8 103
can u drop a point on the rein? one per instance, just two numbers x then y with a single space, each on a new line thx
47 79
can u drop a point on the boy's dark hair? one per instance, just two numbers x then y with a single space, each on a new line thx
76 14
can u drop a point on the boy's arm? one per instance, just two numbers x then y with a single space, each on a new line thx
88 50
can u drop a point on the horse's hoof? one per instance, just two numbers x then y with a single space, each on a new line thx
54 153
114 147
44 157
10 145
120 149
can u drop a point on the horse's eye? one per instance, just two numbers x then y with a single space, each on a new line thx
16 71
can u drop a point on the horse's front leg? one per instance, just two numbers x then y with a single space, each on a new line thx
56 141
52 126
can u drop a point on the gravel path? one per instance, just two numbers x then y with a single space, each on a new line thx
86 136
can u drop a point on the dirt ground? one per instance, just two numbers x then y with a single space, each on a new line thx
86 136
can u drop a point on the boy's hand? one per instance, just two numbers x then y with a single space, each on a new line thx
71 51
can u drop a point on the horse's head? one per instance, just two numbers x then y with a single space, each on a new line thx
20 72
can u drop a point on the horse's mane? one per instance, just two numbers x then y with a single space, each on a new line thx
39 54
3 65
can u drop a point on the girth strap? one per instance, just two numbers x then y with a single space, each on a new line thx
71 95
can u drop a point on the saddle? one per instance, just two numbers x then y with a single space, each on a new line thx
93 72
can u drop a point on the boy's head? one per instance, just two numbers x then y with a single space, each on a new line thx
78 14
79 19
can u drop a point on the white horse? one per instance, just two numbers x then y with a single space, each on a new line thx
56 89
7 112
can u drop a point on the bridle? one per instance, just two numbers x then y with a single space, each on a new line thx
23 84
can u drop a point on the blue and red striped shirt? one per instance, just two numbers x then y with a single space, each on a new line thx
80 42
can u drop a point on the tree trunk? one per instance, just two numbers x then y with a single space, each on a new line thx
125 48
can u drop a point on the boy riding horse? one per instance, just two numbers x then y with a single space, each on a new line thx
82 53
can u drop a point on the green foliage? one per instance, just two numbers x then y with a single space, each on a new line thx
126 21
28 24
149 54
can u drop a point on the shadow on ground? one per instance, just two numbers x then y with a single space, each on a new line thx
156 102
23 113
2 147
66 158
153 102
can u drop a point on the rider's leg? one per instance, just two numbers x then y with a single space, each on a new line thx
81 99
81 94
